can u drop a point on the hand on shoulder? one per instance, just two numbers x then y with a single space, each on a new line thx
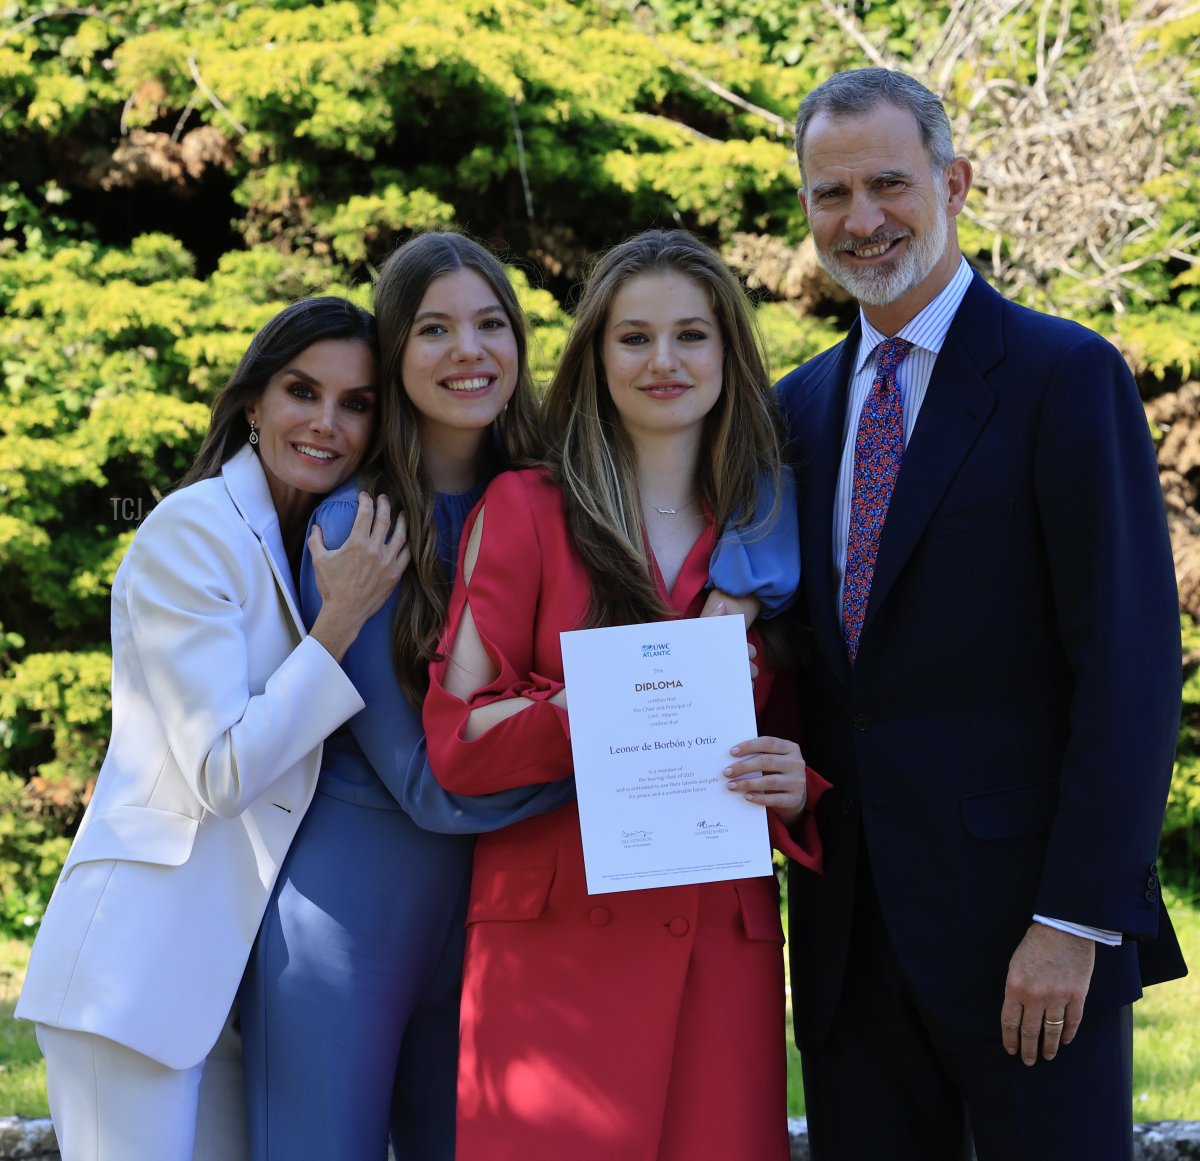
355 579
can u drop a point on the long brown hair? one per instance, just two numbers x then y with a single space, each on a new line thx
396 466
294 329
591 455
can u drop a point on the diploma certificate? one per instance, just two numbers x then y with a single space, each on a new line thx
654 710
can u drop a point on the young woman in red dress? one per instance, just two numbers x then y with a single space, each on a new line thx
642 1025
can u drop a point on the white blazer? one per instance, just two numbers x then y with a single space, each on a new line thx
220 707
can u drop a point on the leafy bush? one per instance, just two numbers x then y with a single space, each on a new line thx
1181 830
190 166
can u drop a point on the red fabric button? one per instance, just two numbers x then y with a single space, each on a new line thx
678 926
600 916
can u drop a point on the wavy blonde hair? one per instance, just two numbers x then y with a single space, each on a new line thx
591 456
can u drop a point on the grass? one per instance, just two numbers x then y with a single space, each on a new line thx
22 1074
1166 1036
1166 1045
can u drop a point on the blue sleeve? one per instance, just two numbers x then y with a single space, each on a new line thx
388 730
436 809
763 560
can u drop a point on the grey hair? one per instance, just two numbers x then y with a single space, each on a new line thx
858 91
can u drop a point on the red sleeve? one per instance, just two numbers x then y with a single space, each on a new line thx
510 599
802 841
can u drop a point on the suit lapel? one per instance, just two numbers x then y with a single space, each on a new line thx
956 408
247 487
823 422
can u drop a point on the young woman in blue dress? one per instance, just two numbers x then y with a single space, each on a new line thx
349 1010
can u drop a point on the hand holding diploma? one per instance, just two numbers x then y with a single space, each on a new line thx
770 772
653 709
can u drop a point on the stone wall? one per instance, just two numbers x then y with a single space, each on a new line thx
22 1139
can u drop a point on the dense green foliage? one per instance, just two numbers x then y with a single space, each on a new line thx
176 170
1182 827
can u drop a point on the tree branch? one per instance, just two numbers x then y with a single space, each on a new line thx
216 101
29 21
782 126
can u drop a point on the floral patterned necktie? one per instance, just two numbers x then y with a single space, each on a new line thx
878 450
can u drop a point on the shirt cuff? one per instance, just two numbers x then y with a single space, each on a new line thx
1099 934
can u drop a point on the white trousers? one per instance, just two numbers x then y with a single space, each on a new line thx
110 1103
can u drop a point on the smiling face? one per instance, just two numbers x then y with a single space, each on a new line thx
314 420
460 362
663 354
881 218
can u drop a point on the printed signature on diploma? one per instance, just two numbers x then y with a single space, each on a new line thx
632 840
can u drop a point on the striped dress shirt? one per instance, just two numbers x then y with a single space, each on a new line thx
927 332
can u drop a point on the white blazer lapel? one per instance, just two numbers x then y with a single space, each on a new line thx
247 486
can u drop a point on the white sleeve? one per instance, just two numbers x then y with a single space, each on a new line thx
186 597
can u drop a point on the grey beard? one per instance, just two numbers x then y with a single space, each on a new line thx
882 285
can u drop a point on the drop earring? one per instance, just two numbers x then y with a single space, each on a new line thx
253 435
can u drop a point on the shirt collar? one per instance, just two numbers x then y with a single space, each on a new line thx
929 328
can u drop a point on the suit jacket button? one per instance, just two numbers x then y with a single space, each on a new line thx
1154 868
861 722
1151 896
849 804
678 926
600 916
1152 882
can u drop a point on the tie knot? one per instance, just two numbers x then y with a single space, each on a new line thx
891 353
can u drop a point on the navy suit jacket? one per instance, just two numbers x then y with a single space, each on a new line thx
1004 744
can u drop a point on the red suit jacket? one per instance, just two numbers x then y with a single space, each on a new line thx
580 1034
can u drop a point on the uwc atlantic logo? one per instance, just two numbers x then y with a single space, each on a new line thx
663 650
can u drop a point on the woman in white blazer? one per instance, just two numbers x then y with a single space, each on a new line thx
220 706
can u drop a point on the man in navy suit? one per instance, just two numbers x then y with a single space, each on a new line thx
993 686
